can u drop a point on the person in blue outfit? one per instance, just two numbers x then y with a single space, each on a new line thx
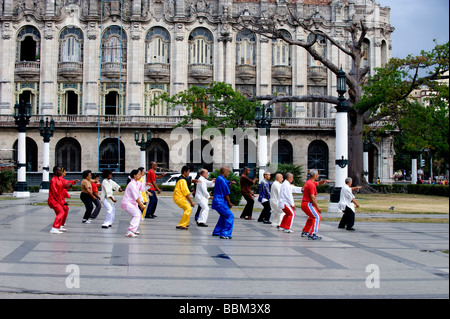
222 204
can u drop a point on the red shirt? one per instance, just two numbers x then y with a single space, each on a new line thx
57 192
94 188
151 178
310 188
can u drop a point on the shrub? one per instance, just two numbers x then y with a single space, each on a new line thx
8 179
297 170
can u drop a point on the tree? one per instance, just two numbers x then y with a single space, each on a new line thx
374 106
217 105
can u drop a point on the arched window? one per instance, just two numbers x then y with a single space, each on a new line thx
29 44
157 46
68 154
158 152
318 157
365 53
201 46
71 45
320 46
109 155
113 49
282 152
281 51
31 155
245 48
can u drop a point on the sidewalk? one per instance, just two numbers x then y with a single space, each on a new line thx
379 260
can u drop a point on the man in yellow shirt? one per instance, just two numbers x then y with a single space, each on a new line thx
181 197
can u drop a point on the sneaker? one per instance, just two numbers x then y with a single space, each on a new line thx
55 231
130 234
86 221
314 237
62 228
305 234
288 230
202 225
225 237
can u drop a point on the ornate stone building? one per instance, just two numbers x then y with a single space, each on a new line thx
94 66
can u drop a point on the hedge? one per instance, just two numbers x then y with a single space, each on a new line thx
424 189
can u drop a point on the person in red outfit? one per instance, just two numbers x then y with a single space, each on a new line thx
56 198
66 195
310 206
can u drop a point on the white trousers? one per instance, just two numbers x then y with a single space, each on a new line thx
110 213
278 216
135 214
204 212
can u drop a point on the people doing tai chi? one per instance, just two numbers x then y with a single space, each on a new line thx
131 203
310 206
222 204
347 204
182 197
87 196
286 202
107 197
202 196
247 193
264 199
56 199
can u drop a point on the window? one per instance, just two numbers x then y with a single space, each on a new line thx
158 46
110 155
68 154
281 51
245 48
29 42
201 47
71 45
282 109
113 49
318 157
320 46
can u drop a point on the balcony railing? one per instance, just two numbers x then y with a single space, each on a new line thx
282 72
246 72
200 71
114 69
157 70
70 69
28 69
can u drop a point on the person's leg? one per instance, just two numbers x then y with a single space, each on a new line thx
248 209
135 214
98 206
187 209
351 218
87 201
204 211
60 213
109 214
288 218
227 223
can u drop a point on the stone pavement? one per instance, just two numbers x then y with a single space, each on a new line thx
379 260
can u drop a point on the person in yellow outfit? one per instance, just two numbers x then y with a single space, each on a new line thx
182 197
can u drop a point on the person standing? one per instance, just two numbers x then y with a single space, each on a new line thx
264 199
66 195
131 203
274 199
181 196
222 204
107 195
346 203
56 199
286 202
201 197
87 196
153 188
96 201
246 191
310 206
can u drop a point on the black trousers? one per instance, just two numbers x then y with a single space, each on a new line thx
348 219
248 209
265 214
88 203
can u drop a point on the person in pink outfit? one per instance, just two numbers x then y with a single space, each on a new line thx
131 203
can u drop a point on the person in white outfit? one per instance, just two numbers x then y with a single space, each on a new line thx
202 196
347 204
107 197
286 202
274 199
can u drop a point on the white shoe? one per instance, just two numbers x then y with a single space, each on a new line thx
62 228
130 234
288 230
55 231
86 221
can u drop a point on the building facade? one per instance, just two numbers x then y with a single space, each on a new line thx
95 66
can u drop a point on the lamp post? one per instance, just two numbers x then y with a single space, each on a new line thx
366 149
143 144
341 169
46 132
263 120
22 115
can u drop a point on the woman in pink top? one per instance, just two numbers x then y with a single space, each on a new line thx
131 202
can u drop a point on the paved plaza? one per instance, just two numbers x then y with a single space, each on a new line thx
379 260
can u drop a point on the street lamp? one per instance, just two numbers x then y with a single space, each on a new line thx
46 132
341 169
143 144
263 121
22 115
366 148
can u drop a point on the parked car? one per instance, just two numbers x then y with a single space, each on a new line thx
174 178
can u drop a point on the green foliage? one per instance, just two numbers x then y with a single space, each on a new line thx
235 190
423 189
217 105
8 179
297 170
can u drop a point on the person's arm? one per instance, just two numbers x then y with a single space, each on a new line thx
323 182
314 202
227 198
